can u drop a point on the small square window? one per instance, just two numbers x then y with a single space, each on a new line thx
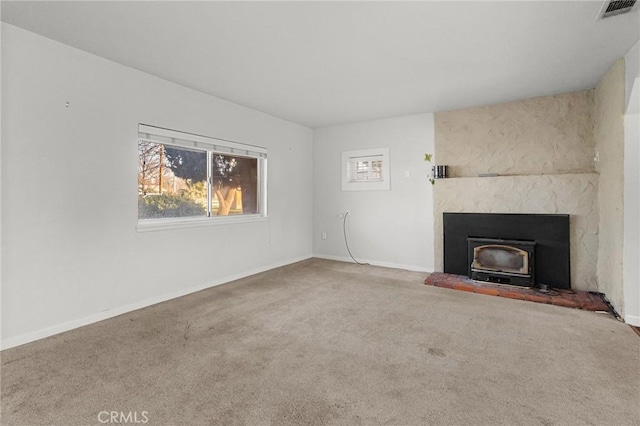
365 170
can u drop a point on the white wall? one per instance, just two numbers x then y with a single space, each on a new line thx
632 72
388 228
1 174
70 251
631 262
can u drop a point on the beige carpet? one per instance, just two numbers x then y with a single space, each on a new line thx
322 342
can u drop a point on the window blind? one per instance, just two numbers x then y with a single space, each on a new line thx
365 169
193 141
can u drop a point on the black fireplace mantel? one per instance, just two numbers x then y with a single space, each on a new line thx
550 232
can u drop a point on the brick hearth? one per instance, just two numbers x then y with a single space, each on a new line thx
578 299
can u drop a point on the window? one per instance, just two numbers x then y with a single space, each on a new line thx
365 170
185 178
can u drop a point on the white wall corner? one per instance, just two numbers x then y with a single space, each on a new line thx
632 71
1 31
631 243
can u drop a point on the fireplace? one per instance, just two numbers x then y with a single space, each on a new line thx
502 261
544 237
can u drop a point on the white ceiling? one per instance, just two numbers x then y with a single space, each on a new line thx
327 63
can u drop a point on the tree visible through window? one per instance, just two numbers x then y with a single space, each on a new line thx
164 193
177 182
235 184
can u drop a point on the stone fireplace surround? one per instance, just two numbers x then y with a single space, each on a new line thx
542 151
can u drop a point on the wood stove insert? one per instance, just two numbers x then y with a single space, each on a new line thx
502 261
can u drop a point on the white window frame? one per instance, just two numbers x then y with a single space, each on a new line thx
349 158
211 146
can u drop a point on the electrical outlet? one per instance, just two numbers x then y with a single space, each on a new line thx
324 235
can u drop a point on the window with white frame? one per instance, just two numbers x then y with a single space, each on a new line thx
365 170
186 177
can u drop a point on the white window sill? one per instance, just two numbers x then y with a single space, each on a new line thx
151 225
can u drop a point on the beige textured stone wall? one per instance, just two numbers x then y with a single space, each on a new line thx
551 134
609 101
543 151
573 194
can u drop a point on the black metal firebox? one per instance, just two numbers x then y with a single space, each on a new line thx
550 232
502 261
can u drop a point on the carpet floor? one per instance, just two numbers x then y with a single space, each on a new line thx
330 343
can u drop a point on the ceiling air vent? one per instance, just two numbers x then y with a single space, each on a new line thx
616 7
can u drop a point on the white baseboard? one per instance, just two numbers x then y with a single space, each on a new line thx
632 320
114 312
375 263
